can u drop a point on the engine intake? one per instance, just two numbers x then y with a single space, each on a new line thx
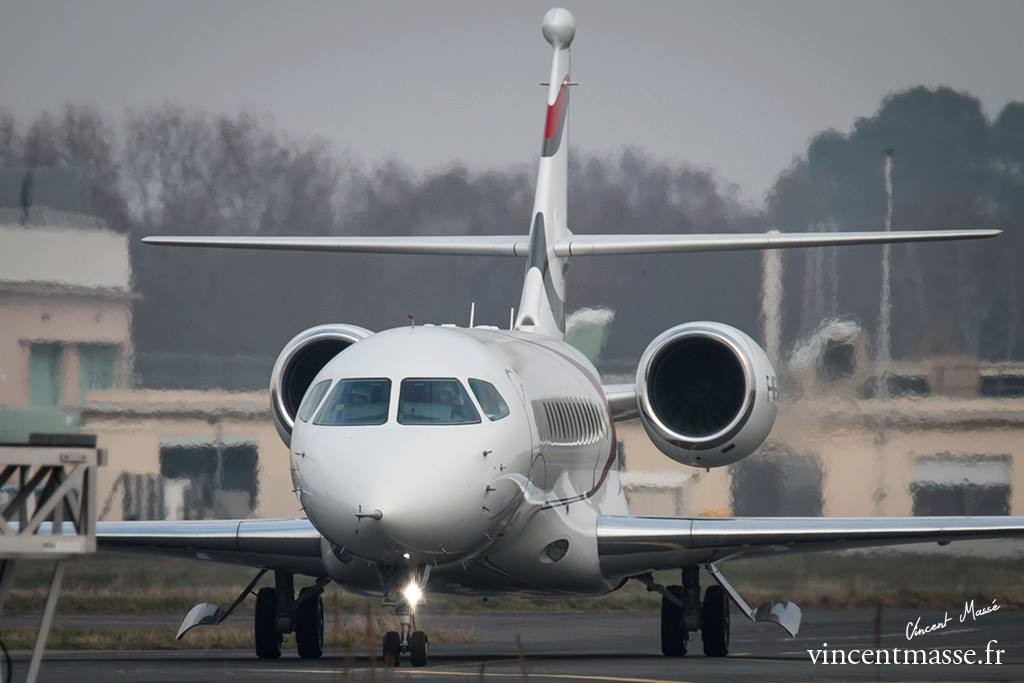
298 364
706 393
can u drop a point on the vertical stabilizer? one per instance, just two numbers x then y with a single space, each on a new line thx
542 306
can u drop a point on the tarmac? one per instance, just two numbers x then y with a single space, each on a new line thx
583 646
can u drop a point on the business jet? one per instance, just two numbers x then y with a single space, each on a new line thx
476 460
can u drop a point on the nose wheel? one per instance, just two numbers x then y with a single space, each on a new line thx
407 639
418 648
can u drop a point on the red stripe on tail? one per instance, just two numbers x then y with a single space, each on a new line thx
555 113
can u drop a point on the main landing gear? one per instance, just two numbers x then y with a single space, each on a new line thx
683 612
279 612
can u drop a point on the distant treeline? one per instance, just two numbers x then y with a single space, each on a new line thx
172 170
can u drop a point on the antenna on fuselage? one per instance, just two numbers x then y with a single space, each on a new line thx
472 313
512 319
412 319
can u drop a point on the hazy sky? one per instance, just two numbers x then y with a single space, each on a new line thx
735 86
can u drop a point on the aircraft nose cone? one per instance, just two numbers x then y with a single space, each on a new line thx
434 521
434 508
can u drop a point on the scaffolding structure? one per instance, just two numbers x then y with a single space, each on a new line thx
50 514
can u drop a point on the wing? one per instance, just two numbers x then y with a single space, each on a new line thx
283 544
628 546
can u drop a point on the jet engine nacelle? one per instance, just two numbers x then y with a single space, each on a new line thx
706 393
299 362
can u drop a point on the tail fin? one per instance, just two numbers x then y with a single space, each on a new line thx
542 306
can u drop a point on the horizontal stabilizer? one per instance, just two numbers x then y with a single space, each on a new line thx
479 245
597 245
577 245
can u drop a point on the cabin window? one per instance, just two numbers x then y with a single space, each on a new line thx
489 399
356 402
435 402
312 400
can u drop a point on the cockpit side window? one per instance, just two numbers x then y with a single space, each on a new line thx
432 401
489 399
312 400
356 402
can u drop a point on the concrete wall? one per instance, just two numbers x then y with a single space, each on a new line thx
133 425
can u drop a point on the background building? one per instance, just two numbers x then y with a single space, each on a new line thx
946 439
65 302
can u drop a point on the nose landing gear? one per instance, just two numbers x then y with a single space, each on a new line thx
407 638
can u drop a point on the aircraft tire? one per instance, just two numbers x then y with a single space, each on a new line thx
268 640
714 629
418 648
673 633
309 625
391 652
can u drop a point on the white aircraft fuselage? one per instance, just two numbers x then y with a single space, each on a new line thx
409 495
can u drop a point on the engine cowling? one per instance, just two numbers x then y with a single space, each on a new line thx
299 362
706 393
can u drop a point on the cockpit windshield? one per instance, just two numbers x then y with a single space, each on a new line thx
489 399
435 402
312 400
356 402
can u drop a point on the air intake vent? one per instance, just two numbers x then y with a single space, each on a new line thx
568 421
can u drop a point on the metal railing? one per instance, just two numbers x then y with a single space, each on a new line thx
50 516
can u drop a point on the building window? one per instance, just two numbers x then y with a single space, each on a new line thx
44 375
97 364
961 485
908 385
1005 386
838 360
776 482
209 480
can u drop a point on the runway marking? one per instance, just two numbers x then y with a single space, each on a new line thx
519 675
490 674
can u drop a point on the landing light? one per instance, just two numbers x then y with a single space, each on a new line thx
412 594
